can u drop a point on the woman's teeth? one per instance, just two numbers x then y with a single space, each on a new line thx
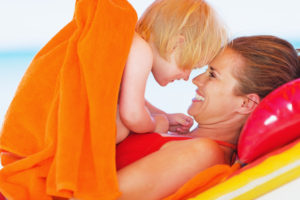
199 98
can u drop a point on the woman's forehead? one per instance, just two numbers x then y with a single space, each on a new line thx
227 61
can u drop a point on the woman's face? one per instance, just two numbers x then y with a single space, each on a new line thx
215 100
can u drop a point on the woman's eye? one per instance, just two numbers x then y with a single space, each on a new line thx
211 74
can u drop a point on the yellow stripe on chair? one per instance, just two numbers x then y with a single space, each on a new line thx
266 175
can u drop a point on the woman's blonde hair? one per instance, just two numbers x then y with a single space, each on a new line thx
204 35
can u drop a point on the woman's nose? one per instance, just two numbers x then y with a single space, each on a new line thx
197 80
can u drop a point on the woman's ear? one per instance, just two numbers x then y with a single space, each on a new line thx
250 101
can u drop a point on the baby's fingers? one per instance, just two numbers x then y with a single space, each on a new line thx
174 128
182 121
189 121
182 130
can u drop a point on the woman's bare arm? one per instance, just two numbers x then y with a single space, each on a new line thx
163 172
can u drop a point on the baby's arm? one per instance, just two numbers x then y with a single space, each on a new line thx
122 130
133 111
153 109
178 122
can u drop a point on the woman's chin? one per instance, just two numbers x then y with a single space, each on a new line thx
195 111
190 111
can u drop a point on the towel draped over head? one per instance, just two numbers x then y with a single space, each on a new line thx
58 137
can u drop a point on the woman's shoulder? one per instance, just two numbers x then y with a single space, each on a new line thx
202 149
204 144
208 150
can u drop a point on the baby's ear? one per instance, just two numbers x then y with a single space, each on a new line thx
250 101
179 41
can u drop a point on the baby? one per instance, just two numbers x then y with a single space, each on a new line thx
172 38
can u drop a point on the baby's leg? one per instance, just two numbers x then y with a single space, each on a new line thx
122 130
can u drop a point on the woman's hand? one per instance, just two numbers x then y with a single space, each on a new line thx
180 123
161 123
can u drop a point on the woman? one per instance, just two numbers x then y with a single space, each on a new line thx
246 71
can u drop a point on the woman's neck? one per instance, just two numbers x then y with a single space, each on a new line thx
222 131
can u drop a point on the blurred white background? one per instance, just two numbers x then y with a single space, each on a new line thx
32 23
28 25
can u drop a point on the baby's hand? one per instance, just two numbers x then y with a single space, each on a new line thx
180 123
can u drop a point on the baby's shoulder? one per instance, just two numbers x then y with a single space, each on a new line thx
141 46
140 56
139 40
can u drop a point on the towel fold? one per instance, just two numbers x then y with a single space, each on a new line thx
203 181
58 137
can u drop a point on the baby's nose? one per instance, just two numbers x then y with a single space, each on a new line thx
186 75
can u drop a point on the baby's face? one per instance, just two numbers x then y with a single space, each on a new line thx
167 71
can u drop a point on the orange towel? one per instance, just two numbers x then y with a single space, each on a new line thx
58 137
203 181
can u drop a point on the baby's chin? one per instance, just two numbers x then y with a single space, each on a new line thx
166 82
162 83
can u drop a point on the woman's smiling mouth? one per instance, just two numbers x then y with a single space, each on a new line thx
198 97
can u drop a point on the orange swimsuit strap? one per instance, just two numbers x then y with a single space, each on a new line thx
226 144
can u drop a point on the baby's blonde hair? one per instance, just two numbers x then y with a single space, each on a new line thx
195 20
